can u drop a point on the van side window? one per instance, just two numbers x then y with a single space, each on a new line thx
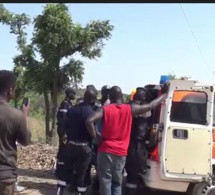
189 107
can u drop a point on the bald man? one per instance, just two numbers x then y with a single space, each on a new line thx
77 152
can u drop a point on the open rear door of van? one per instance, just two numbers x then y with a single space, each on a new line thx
186 145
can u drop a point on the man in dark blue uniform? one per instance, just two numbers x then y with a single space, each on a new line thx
95 106
61 117
62 112
88 174
137 153
78 151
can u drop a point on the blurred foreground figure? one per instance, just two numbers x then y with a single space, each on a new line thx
13 128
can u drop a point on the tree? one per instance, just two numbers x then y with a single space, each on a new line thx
5 16
17 24
21 86
174 77
57 37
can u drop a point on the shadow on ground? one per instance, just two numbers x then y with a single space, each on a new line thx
34 188
50 189
44 174
44 187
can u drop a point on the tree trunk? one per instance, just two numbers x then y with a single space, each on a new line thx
47 117
54 94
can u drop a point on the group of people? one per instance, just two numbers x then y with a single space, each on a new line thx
109 134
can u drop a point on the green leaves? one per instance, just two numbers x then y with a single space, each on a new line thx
5 15
17 24
56 37
74 71
52 31
175 77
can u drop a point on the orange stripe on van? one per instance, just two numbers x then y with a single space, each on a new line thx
179 95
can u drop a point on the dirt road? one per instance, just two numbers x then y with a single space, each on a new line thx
45 184
35 163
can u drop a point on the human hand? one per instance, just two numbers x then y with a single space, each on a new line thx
98 138
26 108
165 88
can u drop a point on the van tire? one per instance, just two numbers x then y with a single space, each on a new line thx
201 189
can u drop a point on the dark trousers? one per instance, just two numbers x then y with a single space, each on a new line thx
60 173
78 158
88 175
95 185
110 168
135 163
7 188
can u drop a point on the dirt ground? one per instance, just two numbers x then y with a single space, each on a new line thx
36 163
38 183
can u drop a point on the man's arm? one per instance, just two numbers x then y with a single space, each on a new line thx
23 133
92 119
141 109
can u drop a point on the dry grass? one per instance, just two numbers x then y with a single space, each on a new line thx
37 127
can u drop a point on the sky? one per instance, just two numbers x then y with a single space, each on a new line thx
148 40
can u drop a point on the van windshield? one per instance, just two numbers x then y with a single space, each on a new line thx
189 107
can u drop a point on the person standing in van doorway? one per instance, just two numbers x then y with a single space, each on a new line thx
137 153
114 139
13 128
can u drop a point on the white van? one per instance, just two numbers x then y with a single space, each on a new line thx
182 139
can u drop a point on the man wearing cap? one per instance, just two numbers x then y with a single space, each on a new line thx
61 117
137 153
62 111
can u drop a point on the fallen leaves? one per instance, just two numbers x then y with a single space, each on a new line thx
36 156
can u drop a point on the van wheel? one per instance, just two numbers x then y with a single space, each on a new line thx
201 189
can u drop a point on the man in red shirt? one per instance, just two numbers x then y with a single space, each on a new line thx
115 137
